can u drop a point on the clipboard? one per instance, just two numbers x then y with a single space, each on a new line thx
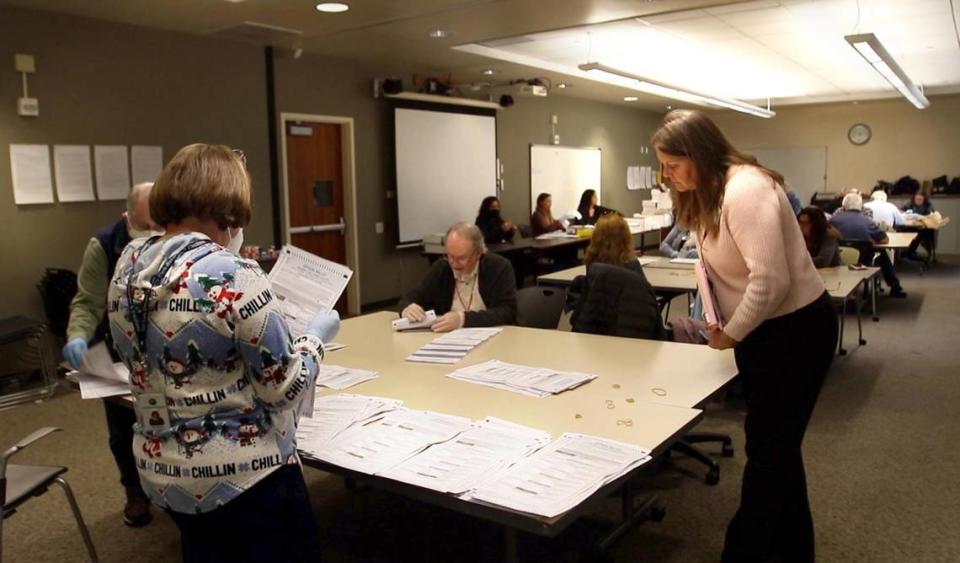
711 310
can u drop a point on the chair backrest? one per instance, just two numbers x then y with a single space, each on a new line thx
525 230
863 247
849 255
618 302
539 307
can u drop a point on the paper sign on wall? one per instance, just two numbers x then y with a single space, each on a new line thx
71 164
113 171
30 168
147 162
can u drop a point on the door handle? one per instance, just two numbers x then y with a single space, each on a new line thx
306 229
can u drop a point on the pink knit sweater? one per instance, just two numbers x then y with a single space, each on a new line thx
758 262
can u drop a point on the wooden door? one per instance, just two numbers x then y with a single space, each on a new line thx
315 191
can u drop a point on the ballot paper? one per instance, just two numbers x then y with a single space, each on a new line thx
463 463
93 387
533 381
556 235
644 260
305 283
560 475
333 414
684 260
453 346
429 317
380 444
336 377
97 362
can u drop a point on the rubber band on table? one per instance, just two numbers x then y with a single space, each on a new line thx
658 391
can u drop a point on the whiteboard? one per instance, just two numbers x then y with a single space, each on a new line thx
564 173
804 168
446 165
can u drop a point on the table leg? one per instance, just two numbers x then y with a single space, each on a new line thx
874 287
859 322
840 350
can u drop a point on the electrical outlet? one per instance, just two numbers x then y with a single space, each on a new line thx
553 119
379 227
556 139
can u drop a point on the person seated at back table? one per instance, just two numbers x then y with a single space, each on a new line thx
855 226
885 214
679 243
470 287
920 205
495 228
612 243
542 221
590 209
822 239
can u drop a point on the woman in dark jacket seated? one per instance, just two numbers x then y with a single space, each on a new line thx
823 240
590 209
494 227
920 205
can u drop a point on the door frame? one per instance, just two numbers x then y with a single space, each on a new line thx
348 166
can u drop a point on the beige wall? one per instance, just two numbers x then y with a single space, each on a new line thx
101 83
921 143
105 83
617 130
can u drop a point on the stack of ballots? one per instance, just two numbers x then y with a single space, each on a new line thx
453 346
561 475
537 382
337 377
491 461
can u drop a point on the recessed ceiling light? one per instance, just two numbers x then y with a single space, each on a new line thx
332 7
489 72
440 33
563 85
630 98
669 107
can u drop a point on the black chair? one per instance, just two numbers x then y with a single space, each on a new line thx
539 307
620 302
20 483
28 371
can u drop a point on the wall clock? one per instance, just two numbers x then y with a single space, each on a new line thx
859 134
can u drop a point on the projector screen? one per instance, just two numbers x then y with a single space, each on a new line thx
446 164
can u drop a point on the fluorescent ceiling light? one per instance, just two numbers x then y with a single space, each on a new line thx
332 7
563 85
627 79
440 33
489 72
880 59
630 98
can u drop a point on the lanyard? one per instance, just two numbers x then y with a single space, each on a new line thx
138 300
456 289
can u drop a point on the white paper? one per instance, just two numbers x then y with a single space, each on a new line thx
147 163
305 284
112 167
644 260
453 346
97 362
463 463
633 178
30 169
561 475
71 165
333 414
93 387
402 324
379 445
533 381
336 377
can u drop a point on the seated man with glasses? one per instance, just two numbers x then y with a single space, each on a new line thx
468 288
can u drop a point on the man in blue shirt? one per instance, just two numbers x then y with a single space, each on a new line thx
859 229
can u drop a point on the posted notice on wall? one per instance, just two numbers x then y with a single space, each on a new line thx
71 165
147 162
113 171
30 168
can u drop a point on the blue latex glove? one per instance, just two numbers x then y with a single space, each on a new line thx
74 351
325 325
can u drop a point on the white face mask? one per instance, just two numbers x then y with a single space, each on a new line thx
236 241
137 233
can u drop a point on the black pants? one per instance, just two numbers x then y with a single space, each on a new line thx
271 521
924 237
120 421
886 269
783 364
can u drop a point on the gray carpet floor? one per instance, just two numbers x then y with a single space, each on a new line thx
879 457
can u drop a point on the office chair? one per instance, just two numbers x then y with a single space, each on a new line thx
539 307
20 483
849 255
620 302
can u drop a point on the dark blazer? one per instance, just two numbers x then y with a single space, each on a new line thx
618 301
491 225
497 288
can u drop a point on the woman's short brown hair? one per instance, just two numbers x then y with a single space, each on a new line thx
611 242
202 181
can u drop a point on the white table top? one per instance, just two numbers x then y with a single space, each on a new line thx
898 240
841 281
660 278
653 384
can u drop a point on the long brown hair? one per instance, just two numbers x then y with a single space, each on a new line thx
611 242
819 226
547 214
691 134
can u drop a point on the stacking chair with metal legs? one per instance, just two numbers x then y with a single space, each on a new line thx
20 483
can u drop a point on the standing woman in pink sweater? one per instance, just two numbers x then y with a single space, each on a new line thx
776 315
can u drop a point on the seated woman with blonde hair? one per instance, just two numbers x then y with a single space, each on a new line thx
612 243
